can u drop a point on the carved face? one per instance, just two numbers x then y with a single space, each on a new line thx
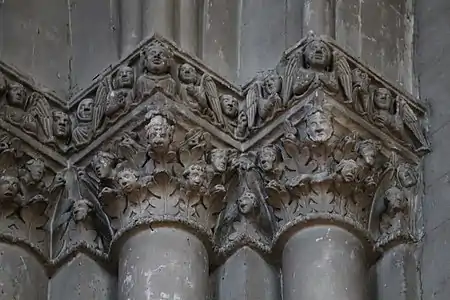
361 78
85 110
246 202
3 84
36 168
157 59
128 180
407 176
382 99
369 151
125 77
219 160
349 169
16 95
81 208
272 84
9 187
317 54
103 164
395 198
319 127
159 134
188 74
242 119
230 106
195 177
61 124
267 158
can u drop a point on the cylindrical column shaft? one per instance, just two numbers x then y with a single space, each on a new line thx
158 16
130 25
187 29
163 263
318 16
324 262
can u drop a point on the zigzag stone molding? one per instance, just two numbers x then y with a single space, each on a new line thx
159 138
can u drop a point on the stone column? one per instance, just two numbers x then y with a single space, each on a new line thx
163 263
318 16
130 25
324 262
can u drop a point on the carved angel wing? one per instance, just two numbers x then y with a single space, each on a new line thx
100 102
344 75
212 95
38 106
293 64
251 101
411 121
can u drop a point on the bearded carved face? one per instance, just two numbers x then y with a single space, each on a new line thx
125 77
317 54
230 106
219 160
319 127
407 176
157 59
103 164
36 168
9 187
267 158
272 84
16 95
195 177
85 110
128 180
61 124
159 134
383 99
187 74
246 202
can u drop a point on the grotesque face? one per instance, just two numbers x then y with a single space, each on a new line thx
246 202
383 99
128 180
36 168
272 84
395 198
125 77
267 158
103 164
361 78
368 150
85 109
61 124
188 74
9 187
159 134
81 208
318 55
319 127
16 95
230 106
219 159
407 175
157 59
195 177
349 170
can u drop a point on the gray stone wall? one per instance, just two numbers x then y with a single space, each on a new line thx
432 68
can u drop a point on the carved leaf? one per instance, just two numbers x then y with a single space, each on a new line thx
163 186
285 208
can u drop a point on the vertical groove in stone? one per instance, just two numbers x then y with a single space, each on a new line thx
186 29
158 16
318 17
130 25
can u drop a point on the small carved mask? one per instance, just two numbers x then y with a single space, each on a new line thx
36 168
17 95
85 110
230 106
360 78
103 164
195 177
267 158
9 187
219 160
395 198
317 54
61 124
128 180
383 99
319 127
188 74
349 169
157 59
81 208
272 84
369 150
246 202
407 176
125 77
159 134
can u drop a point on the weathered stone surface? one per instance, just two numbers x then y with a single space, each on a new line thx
82 278
157 16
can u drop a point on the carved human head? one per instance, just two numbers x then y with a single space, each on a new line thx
61 124
272 83
85 110
195 177
3 84
317 54
368 149
81 209
360 78
246 202
395 198
124 77
187 74
230 106
319 127
103 164
9 187
159 133
157 59
382 99
267 157
219 159
348 168
407 176
128 180
16 95
36 168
